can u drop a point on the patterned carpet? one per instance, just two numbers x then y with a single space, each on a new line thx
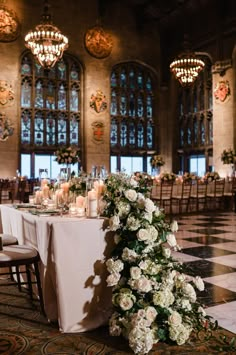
209 248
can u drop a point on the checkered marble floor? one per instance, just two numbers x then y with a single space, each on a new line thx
208 247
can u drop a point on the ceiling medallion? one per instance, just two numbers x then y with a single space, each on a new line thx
98 42
9 25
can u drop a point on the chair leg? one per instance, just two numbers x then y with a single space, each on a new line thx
18 278
37 275
29 281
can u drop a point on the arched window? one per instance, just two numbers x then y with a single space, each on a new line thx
50 112
132 117
196 119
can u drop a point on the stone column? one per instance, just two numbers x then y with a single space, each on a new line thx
223 113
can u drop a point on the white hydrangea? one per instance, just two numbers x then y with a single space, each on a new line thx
123 209
129 255
180 334
163 298
141 340
132 223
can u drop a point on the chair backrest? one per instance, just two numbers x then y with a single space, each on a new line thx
219 187
201 188
166 190
186 189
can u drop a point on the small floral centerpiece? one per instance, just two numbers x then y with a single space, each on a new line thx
165 176
156 161
228 156
190 177
211 176
78 185
154 300
67 155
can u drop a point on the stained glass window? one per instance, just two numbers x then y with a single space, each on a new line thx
50 106
132 113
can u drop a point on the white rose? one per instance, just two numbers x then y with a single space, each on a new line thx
143 284
143 234
125 301
153 233
175 319
113 279
114 223
199 283
151 313
131 195
171 240
135 272
114 266
147 216
174 226
133 182
149 205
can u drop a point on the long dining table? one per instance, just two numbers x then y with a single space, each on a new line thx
73 272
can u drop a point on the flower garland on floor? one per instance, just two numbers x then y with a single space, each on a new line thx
67 155
153 299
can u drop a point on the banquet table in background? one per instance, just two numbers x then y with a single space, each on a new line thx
73 273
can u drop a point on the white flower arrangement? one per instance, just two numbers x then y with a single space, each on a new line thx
166 176
211 176
67 155
153 298
228 156
157 161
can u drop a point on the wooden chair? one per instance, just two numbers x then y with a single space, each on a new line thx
24 260
198 194
163 196
183 198
215 194
230 196
7 190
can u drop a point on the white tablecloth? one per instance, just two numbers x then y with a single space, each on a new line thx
73 272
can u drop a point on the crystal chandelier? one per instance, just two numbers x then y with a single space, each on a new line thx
46 42
186 66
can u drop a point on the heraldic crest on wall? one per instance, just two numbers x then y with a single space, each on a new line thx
6 128
98 132
98 42
7 94
98 102
9 25
222 91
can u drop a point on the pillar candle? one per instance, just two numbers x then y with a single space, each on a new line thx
92 203
80 201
